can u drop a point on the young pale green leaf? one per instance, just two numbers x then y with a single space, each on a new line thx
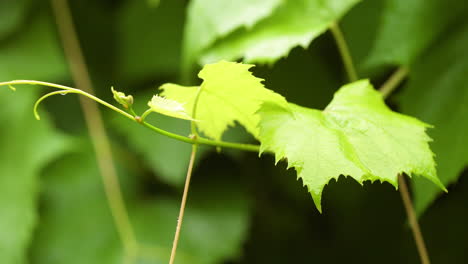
169 107
295 23
437 92
209 20
408 27
229 93
356 135
125 100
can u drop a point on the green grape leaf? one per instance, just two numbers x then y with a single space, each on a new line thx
209 20
437 92
125 100
27 146
408 27
169 107
90 229
356 135
229 93
295 23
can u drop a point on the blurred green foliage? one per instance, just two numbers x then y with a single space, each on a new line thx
442 102
241 209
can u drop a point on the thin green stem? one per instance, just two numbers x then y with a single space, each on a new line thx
344 52
183 203
145 114
413 221
71 90
38 102
130 109
395 79
199 140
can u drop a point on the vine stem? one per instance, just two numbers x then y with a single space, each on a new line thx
413 220
392 83
95 125
387 88
183 203
193 127
199 140
344 51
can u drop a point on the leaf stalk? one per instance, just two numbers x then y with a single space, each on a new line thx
344 52
413 221
395 79
183 204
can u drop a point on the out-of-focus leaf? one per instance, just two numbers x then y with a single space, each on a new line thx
307 77
153 3
209 20
360 28
229 93
356 135
295 23
149 39
437 92
34 54
12 14
408 27
27 145
76 218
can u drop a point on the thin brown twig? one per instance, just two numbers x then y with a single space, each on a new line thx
344 51
180 219
95 124
395 79
413 221
183 203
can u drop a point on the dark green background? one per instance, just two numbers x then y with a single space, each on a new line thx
267 215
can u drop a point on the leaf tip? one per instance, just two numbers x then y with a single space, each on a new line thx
317 201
